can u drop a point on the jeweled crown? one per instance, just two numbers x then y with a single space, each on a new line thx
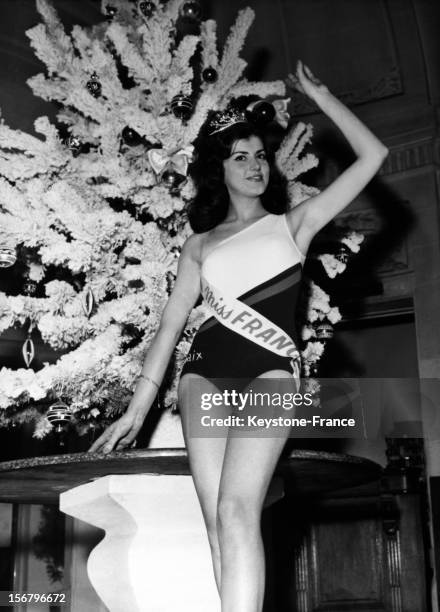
225 119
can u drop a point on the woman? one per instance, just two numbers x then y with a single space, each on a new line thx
232 474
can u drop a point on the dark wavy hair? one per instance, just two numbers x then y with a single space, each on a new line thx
210 205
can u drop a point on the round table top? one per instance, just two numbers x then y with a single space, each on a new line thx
42 479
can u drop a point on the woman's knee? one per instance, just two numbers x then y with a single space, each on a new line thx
236 514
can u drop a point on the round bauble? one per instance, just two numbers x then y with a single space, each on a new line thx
210 75
191 10
59 415
173 180
262 112
8 256
131 137
146 8
181 106
110 11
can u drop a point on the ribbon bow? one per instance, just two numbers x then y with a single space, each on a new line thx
160 160
281 115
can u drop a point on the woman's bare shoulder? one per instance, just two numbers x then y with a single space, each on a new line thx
193 246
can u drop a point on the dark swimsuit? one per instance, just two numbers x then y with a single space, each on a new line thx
260 266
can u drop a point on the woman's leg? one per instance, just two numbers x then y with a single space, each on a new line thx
205 458
248 467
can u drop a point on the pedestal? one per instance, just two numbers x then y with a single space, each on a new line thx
155 555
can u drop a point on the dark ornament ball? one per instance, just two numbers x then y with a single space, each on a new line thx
263 112
210 75
181 106
94 86
147 8
130 137
173 180
191 10
136 283
110 11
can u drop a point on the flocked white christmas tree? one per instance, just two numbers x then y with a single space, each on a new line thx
97 213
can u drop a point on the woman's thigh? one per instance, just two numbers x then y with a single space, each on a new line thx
249 462
205 453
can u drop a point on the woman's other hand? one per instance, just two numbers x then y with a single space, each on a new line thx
119 435
305 82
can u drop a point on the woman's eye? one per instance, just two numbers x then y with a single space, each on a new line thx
262 156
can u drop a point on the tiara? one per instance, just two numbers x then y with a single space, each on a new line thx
224 119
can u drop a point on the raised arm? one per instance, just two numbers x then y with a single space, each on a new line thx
122 432
310 216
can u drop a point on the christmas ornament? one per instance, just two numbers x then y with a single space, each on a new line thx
173 180
314 370
342 254
110 11
136 283
210 75
60 415
160 160
28 349
147 8
29 287
94 86
74 144
191 10
324 331
181 106
132 336
261 112
88 302
8 256
131 137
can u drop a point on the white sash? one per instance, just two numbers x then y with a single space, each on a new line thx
249 323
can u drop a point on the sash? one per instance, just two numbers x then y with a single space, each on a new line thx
244 320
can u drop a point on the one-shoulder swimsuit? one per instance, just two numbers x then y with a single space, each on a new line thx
261 267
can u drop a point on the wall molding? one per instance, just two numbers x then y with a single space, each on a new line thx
413 155
387 85
401 158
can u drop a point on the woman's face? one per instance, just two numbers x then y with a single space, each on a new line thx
246 170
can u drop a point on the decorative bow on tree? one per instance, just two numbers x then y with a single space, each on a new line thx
281 115
174 161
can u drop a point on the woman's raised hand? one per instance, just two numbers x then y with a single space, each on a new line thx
118 435
305 81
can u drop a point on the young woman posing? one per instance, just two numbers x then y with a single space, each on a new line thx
248 246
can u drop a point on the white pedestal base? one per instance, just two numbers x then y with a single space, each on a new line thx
155 555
